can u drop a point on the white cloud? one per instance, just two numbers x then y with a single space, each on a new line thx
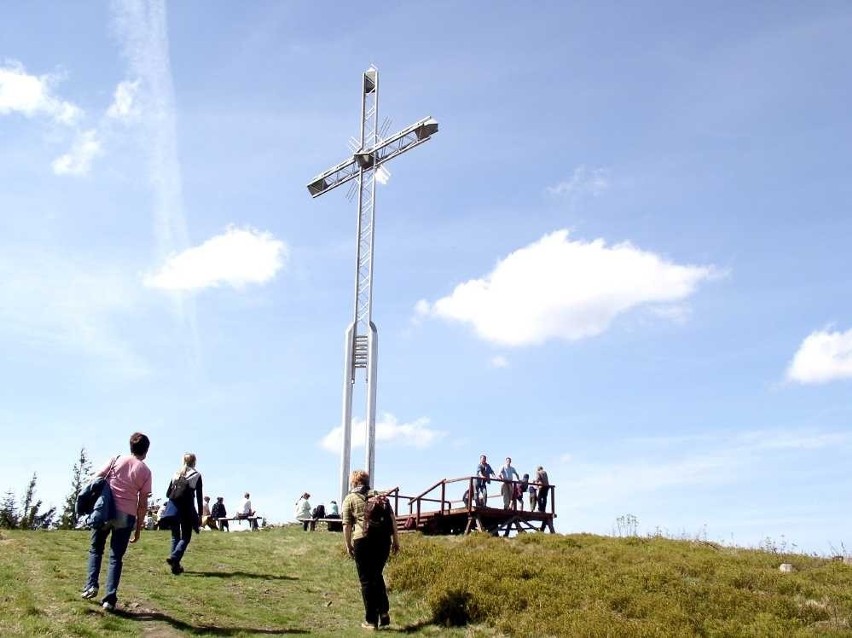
823 356
124 105
582 182
235 258
557 288
142 29
499 361
415 434
33 95
676 313
78 161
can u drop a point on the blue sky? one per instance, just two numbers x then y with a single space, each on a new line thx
625 256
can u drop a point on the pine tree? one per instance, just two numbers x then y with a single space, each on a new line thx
25 521
8 512
45 520
79 475
30 517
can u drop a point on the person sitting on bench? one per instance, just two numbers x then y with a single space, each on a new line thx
246 512
207 519
220 514
334 526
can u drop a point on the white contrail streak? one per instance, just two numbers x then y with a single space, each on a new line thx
143 34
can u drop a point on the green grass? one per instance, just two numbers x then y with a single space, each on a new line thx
286 581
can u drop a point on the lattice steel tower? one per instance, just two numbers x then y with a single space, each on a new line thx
361 346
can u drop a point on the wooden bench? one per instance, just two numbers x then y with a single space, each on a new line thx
253 520
329 523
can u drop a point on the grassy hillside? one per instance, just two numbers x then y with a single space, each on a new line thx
286 581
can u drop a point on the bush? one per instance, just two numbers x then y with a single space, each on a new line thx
584 585
454 608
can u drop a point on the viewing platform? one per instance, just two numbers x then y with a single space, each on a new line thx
435 511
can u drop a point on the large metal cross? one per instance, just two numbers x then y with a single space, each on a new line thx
361 336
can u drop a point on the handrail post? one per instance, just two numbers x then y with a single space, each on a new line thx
552 507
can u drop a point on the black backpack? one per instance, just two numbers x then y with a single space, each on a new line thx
378 517
179 488
319 511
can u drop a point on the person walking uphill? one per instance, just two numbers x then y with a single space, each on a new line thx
129 480
185 492
369 532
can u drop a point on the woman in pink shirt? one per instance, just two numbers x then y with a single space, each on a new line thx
129 480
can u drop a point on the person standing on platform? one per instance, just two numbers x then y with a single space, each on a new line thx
484 474
521 491
543 488
507 488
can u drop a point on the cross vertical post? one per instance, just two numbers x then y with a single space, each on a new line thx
361 341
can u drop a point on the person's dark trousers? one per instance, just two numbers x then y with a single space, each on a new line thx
542 498
181 535
370 558
223 525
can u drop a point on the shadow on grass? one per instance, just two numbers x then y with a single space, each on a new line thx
237 575
412 629
156 616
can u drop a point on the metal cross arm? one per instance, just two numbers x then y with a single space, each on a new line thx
374 157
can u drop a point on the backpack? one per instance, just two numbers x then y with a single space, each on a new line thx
319 511
378 517
178 488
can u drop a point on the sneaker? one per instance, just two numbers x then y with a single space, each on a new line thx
368 625
89 592
108 606
384 620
